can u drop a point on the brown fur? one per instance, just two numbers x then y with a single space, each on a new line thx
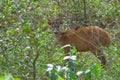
90 38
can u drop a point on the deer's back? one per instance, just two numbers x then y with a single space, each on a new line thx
85 38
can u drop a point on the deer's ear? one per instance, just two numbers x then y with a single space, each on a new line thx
50 22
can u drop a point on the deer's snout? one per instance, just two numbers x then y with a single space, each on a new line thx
56 31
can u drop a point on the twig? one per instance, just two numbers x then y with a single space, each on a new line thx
34 66
85 15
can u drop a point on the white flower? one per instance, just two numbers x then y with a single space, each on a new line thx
28 47
67 57
115 49
27 37
70 57
67 45
79 73
50 67
73 57
87 71
65 68
1 40
58 68
17 29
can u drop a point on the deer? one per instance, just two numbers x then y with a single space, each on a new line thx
88 38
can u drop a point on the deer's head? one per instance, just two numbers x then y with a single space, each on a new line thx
55 24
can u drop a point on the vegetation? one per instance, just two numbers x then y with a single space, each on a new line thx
28 50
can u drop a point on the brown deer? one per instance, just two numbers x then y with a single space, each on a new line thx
91 38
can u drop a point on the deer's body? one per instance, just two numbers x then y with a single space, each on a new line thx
84 39
90 38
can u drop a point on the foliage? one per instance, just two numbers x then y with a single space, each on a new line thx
8 77
24 33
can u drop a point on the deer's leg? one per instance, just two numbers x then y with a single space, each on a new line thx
66 50
99 54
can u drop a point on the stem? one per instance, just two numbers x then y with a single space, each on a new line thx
85 15
34 66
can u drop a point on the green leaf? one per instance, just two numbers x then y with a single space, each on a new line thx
55 9
16 78
87 75
53 76
72 75
71 65
26 29
96 70
61 73
60 78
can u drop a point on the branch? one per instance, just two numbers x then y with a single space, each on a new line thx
34 65
85 15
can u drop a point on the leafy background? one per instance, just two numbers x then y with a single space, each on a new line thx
27 44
